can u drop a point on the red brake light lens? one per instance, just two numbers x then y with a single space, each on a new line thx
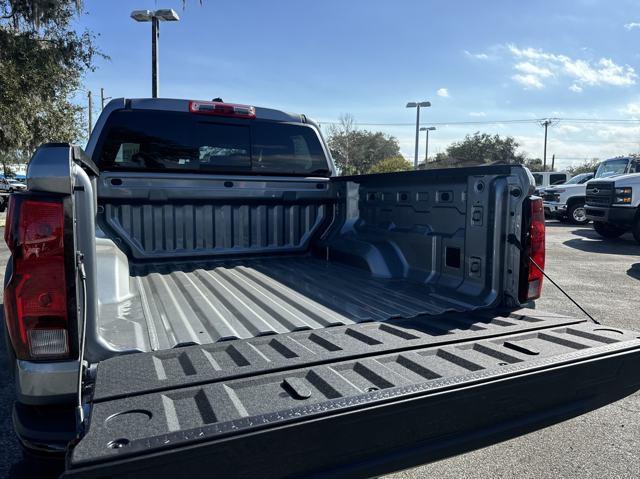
222 109
536 250
36 294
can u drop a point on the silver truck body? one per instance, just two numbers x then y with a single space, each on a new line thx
112 328
217 303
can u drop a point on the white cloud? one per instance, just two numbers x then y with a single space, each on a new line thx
477 114
478 56
528 81
632 109
632 25
443 92
540 65
566 128
531 69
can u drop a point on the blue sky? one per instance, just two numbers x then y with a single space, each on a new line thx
475 61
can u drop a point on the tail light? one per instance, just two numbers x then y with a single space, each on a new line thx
36 296
534 249
222 109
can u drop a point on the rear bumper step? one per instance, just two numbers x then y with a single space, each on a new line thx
360 416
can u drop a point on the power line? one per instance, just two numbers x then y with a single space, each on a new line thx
497 122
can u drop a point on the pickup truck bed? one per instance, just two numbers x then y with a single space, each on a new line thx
433 385
188 260
198 303
237 308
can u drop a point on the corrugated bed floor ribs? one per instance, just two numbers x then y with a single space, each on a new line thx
203 303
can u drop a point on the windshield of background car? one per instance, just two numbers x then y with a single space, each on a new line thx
579 179
612 167
176 141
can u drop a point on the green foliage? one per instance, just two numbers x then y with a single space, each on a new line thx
391 164
485 148
536 164
357 151
586 167
42 60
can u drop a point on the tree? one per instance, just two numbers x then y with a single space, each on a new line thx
341 142
42 60
535 164
485 148
391 164
586 167
357 151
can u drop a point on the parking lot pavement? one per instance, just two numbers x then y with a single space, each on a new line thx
604 276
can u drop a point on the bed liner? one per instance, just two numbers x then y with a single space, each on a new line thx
181 400
203 302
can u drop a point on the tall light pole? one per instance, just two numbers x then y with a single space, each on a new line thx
427 129
417 105
90 100
155 17
103 98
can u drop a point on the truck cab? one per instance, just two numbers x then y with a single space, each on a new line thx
613 197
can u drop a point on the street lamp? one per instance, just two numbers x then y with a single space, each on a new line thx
155 17
427 129
417 105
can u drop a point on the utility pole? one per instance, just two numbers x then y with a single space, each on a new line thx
546 124
553 162
90 111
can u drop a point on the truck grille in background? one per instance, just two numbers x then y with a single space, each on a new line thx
599 194
549 197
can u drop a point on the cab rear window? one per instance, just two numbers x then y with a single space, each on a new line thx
160 141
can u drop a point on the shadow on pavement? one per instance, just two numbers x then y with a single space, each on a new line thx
634 271
42 469
591 242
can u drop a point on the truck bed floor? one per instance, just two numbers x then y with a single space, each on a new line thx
202 303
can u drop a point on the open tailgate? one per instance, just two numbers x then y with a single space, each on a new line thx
354 401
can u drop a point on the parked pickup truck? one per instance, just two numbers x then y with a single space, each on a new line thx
613 200
565 202
197 291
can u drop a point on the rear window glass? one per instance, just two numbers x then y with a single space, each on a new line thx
538 179
557 179
157 141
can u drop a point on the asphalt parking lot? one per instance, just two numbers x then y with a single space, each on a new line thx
604 276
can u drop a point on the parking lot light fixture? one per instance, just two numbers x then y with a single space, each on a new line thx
427 129
155 17
417 105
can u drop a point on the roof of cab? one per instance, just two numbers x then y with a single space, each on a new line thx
171 104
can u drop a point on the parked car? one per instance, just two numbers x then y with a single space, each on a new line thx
565 202
8 185
613 198
199 293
